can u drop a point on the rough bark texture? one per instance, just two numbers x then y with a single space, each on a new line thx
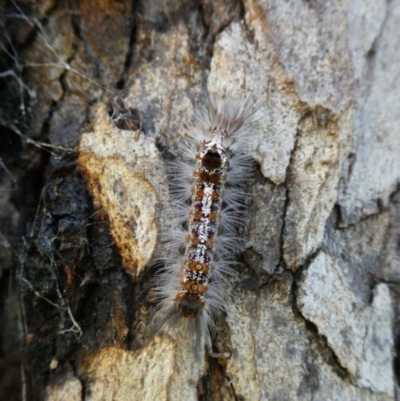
314 312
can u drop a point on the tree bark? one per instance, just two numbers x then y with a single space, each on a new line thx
95 96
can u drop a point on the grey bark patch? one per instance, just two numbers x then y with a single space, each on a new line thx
351 329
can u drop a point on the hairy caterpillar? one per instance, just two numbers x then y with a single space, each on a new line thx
207 190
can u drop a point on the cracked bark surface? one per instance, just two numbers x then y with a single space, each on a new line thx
314 312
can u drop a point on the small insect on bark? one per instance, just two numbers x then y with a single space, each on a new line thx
206 186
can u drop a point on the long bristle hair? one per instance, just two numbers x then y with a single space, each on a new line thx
234 120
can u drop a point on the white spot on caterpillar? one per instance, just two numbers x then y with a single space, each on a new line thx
207 189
